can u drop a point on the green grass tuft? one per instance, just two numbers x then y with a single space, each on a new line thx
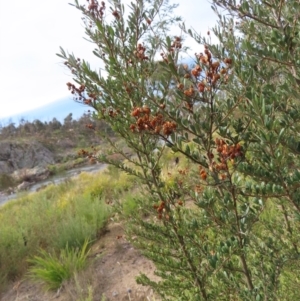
52 270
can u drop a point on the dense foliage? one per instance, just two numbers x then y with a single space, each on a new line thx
226 225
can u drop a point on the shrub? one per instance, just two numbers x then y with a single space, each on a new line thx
129 205
6 181
227 226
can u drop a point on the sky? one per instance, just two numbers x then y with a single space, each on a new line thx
31 32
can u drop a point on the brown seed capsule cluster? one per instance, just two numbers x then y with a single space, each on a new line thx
213 70
75 90
87 101
73 68
81 95
90 126
196 71
161 211
203 173
116 14
90 155
189 92
180 203
198 188
159 208
155 124
201 86
175 46
110 112
83 152
140 52
183 172
204 77
79 92
127 86
96 9
226 153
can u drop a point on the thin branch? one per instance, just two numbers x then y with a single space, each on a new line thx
280 10
242 14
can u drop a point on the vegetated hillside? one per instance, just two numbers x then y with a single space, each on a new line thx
55 135
66 216
51 145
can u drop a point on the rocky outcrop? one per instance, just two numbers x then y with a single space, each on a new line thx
23 155
23 186
5 167
35 174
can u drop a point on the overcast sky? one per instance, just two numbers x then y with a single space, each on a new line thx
31 32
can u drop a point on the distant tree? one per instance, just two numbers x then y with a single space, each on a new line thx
54 124
25 127
39 125
22 121
9 130
68 121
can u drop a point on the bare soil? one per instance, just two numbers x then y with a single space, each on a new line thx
113 266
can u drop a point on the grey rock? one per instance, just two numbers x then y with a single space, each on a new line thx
36 174
10 191
5 167
23 186
20 155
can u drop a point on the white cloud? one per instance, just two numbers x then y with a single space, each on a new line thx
31 31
